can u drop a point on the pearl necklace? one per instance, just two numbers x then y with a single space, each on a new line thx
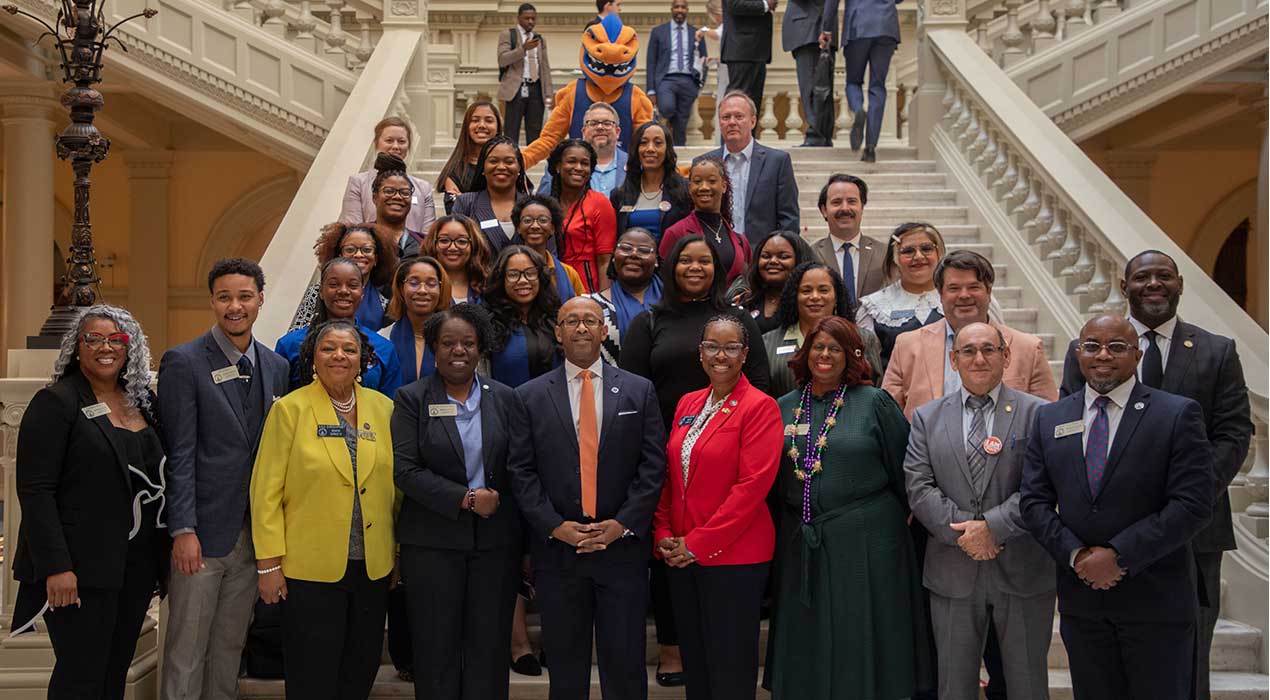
345 406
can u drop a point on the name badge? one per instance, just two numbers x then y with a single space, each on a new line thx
367 435
414 200
330 431
1075 427
687 420
627 209
903 314
442 410
490 223
785 350
225 374
97 409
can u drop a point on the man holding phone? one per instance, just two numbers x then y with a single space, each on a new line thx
524 73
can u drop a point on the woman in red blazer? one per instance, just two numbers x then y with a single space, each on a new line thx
711 217
712 525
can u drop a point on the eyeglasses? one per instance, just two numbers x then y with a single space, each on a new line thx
453 242
531 220
988 351
641 250
402 192
94 341
349 251
590 323
530 275
732 350
926 250
1118 348
599 123
414 284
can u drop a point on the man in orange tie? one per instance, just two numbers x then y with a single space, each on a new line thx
587 472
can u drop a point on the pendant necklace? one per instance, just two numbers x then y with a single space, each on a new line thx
715 232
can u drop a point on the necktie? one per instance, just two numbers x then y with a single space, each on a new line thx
531 64
678 48
848 272
975 456
588 442
737 160
244 384
1096 448
1153 362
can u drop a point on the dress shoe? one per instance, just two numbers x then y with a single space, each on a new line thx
870 156
857 130
674 679
527 665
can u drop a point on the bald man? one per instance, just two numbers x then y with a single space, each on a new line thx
1116 483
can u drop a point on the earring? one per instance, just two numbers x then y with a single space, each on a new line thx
315 375
359 379
857 352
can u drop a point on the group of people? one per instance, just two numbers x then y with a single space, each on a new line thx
611 403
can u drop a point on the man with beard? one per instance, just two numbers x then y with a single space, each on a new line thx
600 129
1180 358
674 70
1116 483
858 258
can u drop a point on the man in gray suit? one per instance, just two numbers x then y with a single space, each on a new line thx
857 258
800 36
870 33
213 395
963 468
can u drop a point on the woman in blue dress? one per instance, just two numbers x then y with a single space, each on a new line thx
376 258
523 305
419 289
654 196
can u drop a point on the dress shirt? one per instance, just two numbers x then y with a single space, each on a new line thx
1163 339
604 179
231 353
574 374
531 58
738 165
839 248
681 46
468 421
968 414
1115 411
952 380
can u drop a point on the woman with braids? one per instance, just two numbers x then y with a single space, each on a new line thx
538 218
92 548
327 549
759 290
654 195
376 258
454 241
481 122
393 138
711 218
523 306
499 184
340 293
590 228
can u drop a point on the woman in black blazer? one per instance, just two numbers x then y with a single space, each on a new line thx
654 195
500 184
459 528
92 547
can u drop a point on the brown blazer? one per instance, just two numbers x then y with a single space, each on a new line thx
514 61
916 373
870 277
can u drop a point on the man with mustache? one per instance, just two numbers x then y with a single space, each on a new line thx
1184 359
856 257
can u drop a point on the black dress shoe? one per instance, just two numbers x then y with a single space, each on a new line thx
870 156
670 680
857 130
527 665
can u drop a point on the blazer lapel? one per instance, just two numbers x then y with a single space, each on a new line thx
1002 425
88 398
867 251
217 360
933 342
611 390
267 378
559 391
324 415
1071 449
436 395
1181 352
365 448
491 427
758 155
1129 421
824 247
720 419
951 415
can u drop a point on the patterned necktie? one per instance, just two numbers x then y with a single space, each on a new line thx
244 383
588 443
678 49
976 458
1096 448
1153 362
739 184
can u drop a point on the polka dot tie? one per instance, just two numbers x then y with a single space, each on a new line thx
1096 448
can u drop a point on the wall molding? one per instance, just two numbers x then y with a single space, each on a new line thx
1211 234
242 219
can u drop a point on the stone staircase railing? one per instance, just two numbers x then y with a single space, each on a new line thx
1068 230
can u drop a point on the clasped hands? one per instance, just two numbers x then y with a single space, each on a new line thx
485 503
674 552
976 540
1097 567
588 537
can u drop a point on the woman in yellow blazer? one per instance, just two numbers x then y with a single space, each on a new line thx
322 510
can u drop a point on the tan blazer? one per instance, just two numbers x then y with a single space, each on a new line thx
514 61
916 373
870 277
359 206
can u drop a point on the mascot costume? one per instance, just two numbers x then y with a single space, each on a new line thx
608 62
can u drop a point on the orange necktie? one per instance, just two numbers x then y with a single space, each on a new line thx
588 443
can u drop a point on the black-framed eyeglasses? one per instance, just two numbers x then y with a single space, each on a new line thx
455 242
589 323
349 251
531 220
401 192
530 275
732 350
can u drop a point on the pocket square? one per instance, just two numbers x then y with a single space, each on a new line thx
626 413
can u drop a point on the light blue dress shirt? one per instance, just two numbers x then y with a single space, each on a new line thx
468 421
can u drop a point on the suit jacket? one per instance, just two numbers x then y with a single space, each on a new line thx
477 207
302 486
75 492
722 511
545 469
747 32
1205 367
940 492
359 205
863 19
430 471
661 48
915 375
1155 495
870 276
801 24
514 61
771 197
211 446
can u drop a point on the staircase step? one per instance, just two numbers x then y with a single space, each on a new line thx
886 212
801 156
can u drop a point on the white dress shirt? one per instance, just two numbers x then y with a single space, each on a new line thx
682 47
738 165
989 412
952 380
573 373
1115 411
531 57
1164 340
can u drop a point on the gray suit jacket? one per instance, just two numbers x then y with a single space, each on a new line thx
870 277
939 491
801 25
210 448
863 19
771 199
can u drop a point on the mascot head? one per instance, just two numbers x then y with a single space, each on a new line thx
608 53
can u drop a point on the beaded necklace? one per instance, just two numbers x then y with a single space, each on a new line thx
811 465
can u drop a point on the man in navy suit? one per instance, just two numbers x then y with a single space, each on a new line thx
213 395
1117 481
587 474
674 76
1184 359
870 33
764 190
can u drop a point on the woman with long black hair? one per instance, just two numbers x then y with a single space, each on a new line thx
590 229
499 184
654 195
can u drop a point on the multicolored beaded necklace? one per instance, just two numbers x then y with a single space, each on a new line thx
811 465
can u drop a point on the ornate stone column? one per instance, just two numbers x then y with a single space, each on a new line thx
148 243
928 108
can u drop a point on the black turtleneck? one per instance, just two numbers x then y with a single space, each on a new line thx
723 247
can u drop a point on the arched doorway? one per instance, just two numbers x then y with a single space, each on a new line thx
1230 272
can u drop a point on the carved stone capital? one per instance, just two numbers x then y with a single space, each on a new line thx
148 165
29 99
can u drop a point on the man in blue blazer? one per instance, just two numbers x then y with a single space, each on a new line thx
213 395
587 472
1117 481
674 70
870 33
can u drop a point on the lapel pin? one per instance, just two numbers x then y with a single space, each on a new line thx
613 389
365 426
1009 408
1188 344
726 410
992 445
1139 405
732 402
485 386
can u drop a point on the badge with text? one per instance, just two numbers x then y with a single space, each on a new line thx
97 409
626 209
442 410
367 435
687 420
1075 427
225 374
489 223
992 445
330 431
785 350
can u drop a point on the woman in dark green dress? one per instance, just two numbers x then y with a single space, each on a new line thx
848 621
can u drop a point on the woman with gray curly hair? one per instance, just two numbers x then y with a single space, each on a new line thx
91 547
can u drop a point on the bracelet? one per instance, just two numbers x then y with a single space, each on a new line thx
270 570
471 500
